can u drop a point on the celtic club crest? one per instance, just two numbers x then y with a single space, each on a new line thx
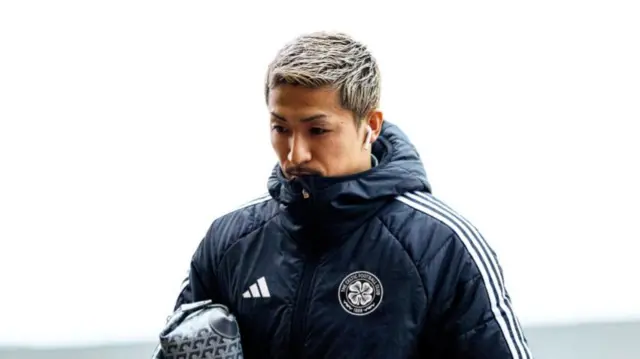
360 293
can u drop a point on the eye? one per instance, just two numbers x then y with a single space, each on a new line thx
318 131
278 128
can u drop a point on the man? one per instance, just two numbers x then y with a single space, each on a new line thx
350 255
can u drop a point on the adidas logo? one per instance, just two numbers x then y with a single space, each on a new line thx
258 290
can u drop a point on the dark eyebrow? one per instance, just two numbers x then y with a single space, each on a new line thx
306 119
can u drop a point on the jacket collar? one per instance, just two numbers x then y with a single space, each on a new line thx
334 206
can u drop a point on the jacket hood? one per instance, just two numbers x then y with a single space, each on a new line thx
339 203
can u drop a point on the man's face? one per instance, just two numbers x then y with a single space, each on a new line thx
312 134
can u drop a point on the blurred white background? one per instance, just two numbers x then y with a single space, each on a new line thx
128 126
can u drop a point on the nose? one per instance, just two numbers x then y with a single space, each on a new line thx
299 152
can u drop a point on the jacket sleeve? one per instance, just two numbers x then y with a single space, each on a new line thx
200 281
192 289
476 318
199 284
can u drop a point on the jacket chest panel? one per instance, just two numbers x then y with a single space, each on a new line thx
258 281
366 298
353 296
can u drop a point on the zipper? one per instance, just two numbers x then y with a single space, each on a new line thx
298 320
300 309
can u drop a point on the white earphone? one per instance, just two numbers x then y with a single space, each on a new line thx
367 142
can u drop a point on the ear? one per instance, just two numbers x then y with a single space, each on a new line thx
374 120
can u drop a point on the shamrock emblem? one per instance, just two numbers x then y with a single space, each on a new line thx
360 293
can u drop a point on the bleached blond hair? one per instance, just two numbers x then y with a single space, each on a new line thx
329 59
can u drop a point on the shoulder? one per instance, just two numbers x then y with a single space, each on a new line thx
245 218
233 225
431 232
462 278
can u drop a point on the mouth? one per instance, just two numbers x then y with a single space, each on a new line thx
290 171
294 174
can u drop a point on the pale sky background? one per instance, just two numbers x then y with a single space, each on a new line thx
128 126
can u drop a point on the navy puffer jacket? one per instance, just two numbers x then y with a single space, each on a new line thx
365 266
